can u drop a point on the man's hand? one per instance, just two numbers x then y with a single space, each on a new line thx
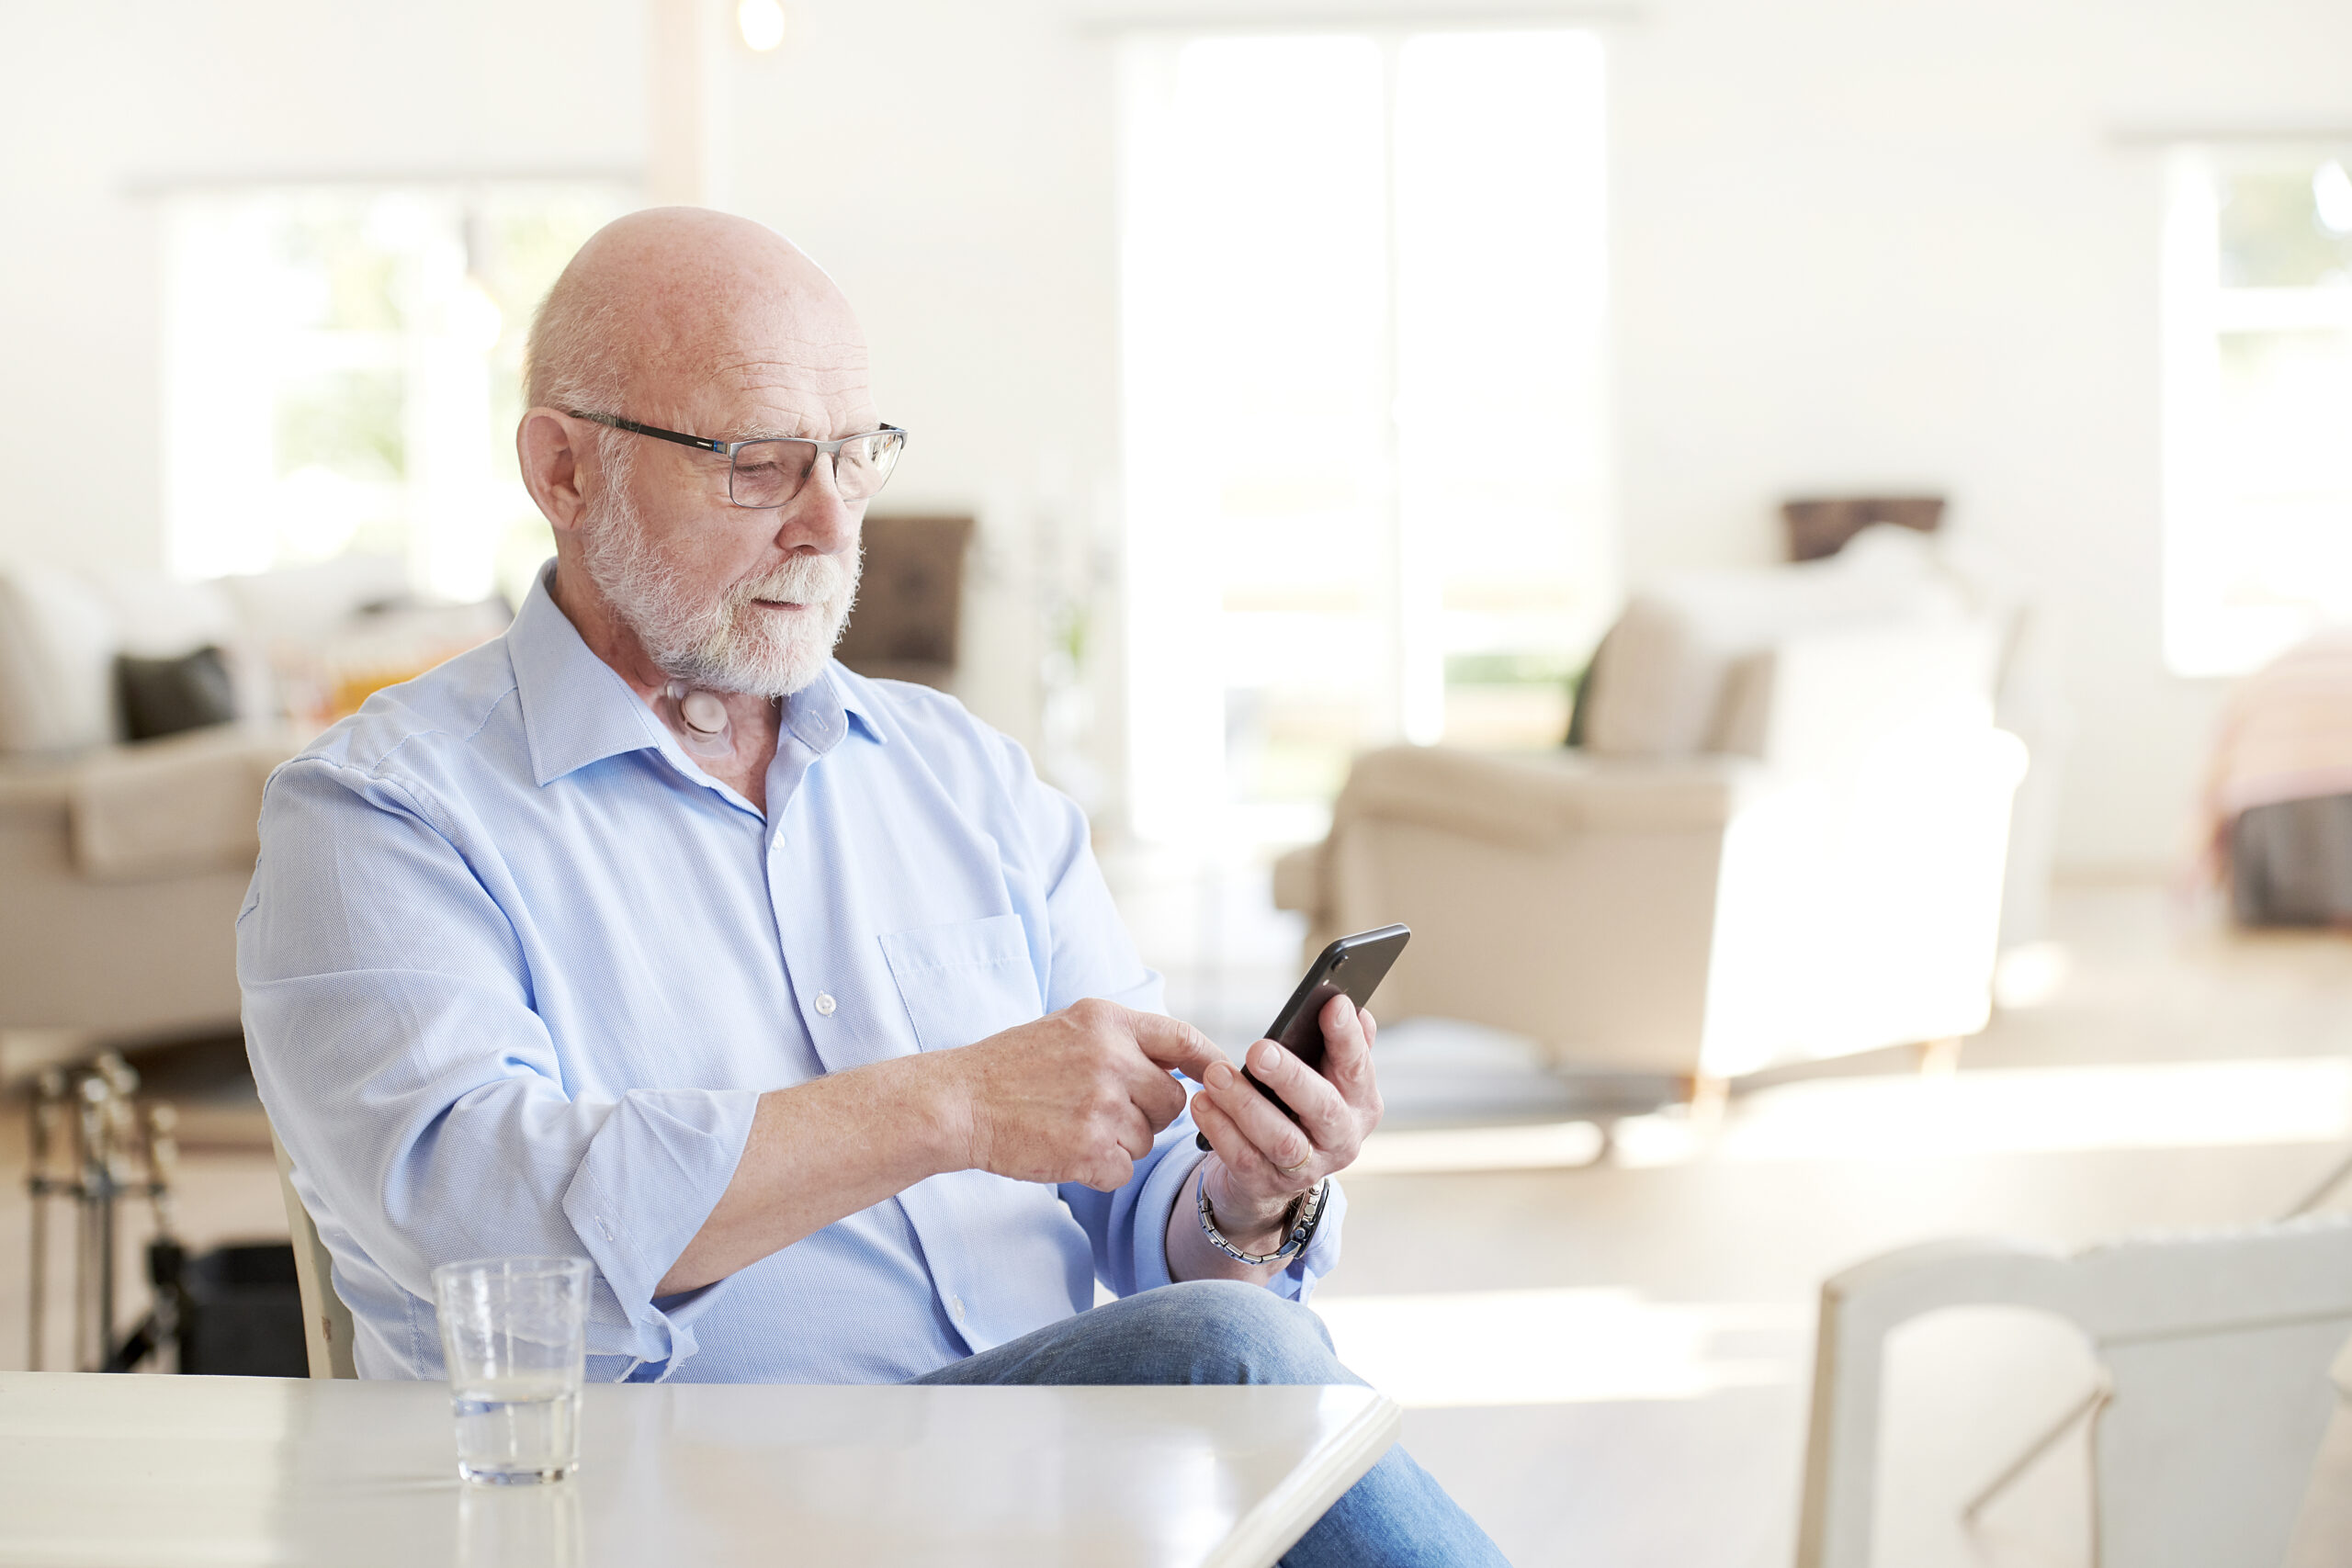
1077 1095
1264 1160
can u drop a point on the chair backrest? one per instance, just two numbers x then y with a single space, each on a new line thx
326 1321
2216 1349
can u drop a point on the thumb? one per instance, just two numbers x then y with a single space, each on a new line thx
1172 1042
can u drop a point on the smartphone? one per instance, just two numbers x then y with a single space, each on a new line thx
1356 965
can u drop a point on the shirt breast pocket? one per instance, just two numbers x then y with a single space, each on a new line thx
966 981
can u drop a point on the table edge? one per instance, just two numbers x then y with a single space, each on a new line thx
1274 1523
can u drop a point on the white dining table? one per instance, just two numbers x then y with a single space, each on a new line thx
127 1471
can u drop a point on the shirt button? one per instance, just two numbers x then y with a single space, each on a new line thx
956 1305
824 1004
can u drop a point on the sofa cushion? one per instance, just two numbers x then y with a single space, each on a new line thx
57 648
1669 680
169 807
164 696
1820 700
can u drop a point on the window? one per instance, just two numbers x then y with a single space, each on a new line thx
342 375
1363 365
2258 405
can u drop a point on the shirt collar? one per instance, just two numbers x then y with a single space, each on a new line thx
819 714
856 701
577 710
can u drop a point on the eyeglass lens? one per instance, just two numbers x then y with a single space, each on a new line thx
769 473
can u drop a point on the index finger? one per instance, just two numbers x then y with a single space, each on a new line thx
1172 1042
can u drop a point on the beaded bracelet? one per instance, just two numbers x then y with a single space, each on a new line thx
1306 1212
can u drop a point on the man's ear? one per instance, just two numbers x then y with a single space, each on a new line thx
549 454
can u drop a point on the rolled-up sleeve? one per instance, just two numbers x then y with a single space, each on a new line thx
388 1016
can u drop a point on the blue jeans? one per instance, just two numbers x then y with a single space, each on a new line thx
1220 1331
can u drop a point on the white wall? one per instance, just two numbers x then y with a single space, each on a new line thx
1858 242
1864 242
954 167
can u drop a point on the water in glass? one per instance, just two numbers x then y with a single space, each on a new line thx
512 1334
517 1429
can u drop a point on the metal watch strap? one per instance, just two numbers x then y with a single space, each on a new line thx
1299 1221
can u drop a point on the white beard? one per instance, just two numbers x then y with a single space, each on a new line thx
726 643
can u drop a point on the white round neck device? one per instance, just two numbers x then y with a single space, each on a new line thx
698 719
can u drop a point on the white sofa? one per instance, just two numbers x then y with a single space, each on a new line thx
122 864
1783 838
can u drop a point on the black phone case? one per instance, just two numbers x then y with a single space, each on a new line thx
1356 965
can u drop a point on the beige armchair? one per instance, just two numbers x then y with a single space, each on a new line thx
1772 854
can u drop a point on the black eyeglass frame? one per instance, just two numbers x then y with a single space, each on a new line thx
728 449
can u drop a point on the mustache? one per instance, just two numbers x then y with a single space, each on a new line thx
803 579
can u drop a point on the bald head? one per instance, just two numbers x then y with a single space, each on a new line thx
681 305
696 323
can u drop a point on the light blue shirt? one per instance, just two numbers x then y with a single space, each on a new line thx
516 972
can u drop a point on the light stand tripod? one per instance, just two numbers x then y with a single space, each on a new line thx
93 1145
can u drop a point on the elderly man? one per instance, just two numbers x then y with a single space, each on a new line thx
791 999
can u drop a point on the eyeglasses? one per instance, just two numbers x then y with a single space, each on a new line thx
770 471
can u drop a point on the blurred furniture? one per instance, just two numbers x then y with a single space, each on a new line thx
910 600
2278 788
250 1469
1817 529
94 1146
95 1143
2214 1352
2028 701
2291 863
129 935
1783 838
326 1321
2323 1537
126 861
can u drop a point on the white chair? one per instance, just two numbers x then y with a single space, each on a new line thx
326 1321
2215 1352
2324 1531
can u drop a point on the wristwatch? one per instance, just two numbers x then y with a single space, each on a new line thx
1306 1212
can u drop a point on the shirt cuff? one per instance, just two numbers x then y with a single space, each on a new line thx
1322 1255
1165 1187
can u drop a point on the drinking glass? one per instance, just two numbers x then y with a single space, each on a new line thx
514 1332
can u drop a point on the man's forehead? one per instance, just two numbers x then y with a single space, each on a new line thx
780 383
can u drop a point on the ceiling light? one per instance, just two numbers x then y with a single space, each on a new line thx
761 23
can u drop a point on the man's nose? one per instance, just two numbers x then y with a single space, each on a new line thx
817 516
